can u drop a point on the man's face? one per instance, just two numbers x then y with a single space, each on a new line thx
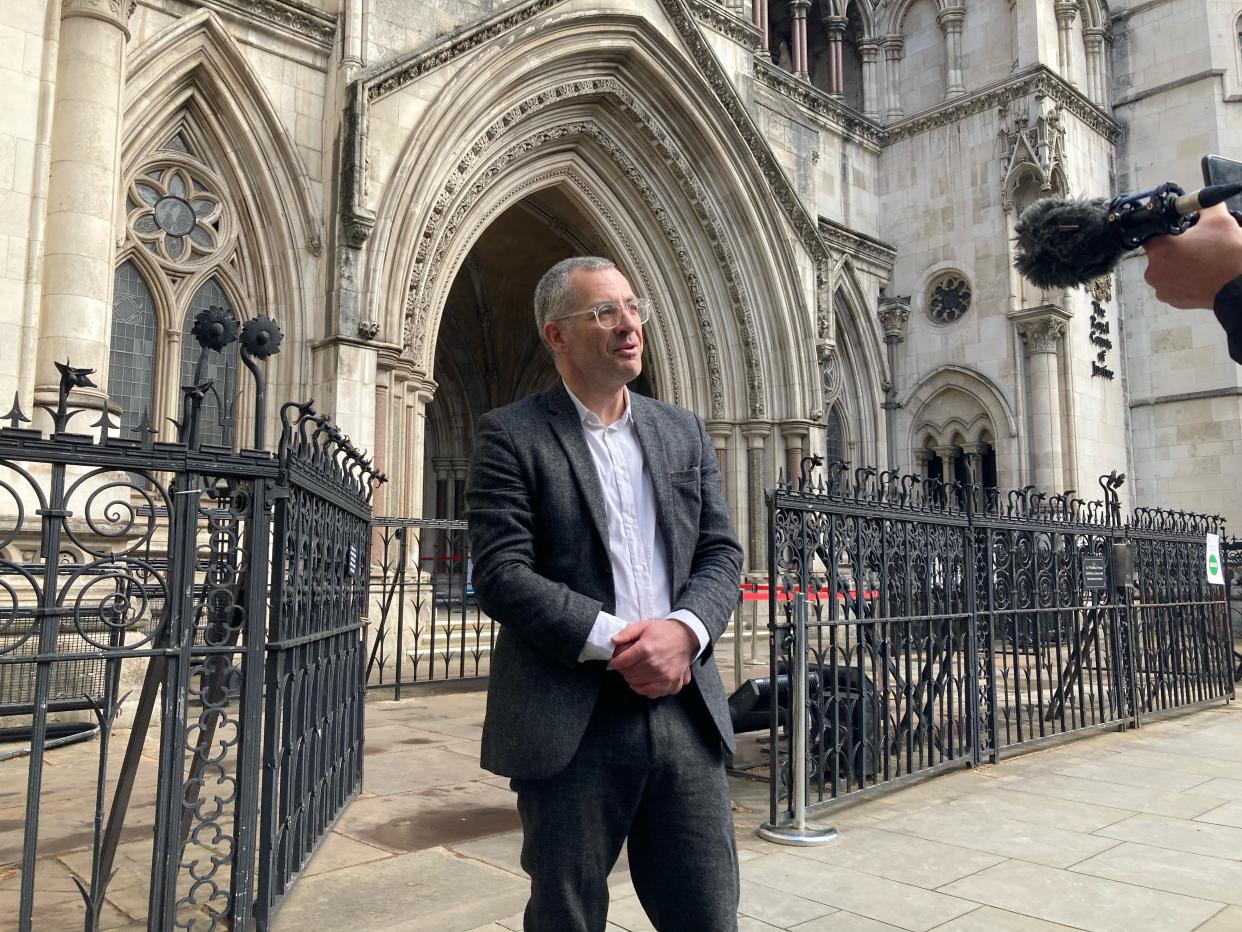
586 353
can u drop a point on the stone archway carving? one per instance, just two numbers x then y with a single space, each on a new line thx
670 375
465 187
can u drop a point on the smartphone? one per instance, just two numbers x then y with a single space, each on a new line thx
1217 170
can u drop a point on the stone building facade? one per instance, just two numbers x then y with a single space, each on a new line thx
819 195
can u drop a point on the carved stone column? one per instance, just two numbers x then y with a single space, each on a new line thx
894 314
75 316
974 461
797 9
950 21
948 462
869 52
795 433
720 432
1041 336
442 466
1014 44
759 16
894 48
461 467
1065 10
422 391
1097 69
921 459
757 433
836 58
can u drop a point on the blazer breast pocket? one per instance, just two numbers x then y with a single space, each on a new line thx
687 476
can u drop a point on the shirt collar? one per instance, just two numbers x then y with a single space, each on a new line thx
590 418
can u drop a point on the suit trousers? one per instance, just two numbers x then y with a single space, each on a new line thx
651 771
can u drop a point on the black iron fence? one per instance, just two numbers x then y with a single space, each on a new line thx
943 625
1231 553
425 624
238 580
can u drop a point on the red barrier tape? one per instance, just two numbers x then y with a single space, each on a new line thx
760 594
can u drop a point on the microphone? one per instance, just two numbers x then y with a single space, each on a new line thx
1065 242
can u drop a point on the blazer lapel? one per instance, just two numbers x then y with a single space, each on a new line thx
568 429
657 466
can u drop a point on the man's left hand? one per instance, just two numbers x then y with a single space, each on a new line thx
654 656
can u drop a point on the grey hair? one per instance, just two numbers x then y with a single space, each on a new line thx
554 295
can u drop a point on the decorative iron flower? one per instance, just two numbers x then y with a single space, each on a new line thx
261 337
174 214
73 377
214 328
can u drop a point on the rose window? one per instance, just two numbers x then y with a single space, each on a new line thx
949 299
175 214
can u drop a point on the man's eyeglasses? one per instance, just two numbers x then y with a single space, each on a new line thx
608 314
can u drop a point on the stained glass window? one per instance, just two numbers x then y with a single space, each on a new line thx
217 422
131 360
836 436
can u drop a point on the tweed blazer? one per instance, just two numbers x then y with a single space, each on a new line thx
539 538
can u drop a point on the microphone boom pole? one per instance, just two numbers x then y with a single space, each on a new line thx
1062 243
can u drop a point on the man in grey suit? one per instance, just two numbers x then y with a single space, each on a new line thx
604 549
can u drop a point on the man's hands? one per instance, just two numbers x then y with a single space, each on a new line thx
1189 269
654 656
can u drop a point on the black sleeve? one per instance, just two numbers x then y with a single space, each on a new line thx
1228 308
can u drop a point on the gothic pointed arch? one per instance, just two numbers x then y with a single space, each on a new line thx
860 9
955 400
688 198
862 366
896 14
191 96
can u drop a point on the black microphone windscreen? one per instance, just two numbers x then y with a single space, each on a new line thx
1062 242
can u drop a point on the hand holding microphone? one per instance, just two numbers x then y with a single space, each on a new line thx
1193 244
1066 242
1190 270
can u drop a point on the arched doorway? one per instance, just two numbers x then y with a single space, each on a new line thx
488 352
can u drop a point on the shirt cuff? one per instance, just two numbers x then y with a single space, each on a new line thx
691 621
599 644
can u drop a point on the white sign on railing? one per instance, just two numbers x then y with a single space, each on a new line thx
1215 572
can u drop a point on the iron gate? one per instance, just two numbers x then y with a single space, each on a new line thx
239 579
945 623
428 627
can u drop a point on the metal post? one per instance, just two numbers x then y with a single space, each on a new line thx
738 626
798 833
402 557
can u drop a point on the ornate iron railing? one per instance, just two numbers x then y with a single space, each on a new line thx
117 551
426 626
946 624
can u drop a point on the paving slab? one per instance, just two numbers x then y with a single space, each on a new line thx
919 861
1182 805
1194 837
991 919
424 890
979 830
903 905
1109 770
1080 901
1228 919
846 922
1225 814
1209 878
777 908
440 815
1041 810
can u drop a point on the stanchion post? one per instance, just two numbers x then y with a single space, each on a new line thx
798 833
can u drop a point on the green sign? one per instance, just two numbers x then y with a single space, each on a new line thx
1212 552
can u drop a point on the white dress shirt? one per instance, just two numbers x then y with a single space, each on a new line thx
636 550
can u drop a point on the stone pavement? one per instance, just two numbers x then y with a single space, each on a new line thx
1119 832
